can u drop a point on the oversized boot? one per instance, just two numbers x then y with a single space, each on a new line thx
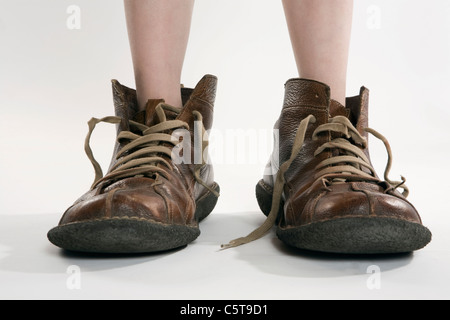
320 186
158 186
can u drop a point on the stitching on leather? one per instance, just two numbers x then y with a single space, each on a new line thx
117 218
350 216
266 187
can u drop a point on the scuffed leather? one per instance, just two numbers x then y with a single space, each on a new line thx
170 200
309 200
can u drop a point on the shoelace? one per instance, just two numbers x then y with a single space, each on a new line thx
146 149
341 168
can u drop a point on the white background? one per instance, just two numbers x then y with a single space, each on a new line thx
53 80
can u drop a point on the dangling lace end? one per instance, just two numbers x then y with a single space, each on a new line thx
277 190
394 184
234 243
87 148
257 234
402 185
265 227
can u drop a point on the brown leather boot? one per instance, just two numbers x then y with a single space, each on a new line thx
321 187
150 200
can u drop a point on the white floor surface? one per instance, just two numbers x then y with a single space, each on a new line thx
32 268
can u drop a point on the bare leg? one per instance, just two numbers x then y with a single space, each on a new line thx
158 31
320 36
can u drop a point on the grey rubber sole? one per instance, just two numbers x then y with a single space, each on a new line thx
129 235
350 235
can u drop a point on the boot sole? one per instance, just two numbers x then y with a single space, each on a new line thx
130 235
350 235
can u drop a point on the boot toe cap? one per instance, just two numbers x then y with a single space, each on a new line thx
141 204
346 201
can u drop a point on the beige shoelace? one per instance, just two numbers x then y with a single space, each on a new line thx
146 150
345 167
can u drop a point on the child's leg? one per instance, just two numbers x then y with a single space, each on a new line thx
158 31
320 36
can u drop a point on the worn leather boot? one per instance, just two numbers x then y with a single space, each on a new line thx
158 186
320 185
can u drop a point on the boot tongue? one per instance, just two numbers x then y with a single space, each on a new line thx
337 109
148 115
150 118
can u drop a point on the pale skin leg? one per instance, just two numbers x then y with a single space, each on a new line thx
158 31
320 36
